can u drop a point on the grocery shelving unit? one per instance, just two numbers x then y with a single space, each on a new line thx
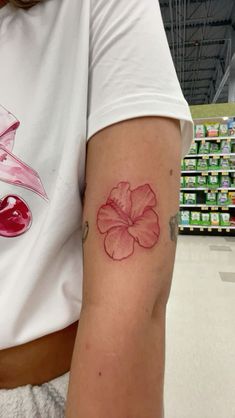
200 205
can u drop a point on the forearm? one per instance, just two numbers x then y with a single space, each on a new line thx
118 367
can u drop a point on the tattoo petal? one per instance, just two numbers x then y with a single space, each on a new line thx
119 244
120 196
108 218
146 229
142 198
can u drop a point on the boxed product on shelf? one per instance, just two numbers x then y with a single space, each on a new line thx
184 217
212 129
232 163
195 218
200 131
190 164
204 148
190 181
202 165
201 181
181 198
225 147
224 164
193 149
225 219
205 219
182 181
214 164
215 148
223 129
225 181
232 179
231 127
223 199
213 181
231 197
211 198
232 220
182 164
190 198
215 218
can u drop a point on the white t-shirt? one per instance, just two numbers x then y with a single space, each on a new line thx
68 69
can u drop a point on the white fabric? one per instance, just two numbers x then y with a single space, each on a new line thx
36 401
68 69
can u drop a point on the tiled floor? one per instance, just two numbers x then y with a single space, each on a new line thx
200 340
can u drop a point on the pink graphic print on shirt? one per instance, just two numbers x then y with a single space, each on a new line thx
15 215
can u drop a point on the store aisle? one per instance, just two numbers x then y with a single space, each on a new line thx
200 351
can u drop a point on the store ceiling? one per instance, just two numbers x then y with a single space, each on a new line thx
199 34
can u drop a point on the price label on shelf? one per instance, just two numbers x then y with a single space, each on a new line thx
214 208
203 173
209 229
224 191
218 140
219 230
201 229
226 157
191 229
227 229
214 173
216 157
224 208
181 228
228 140
205 207
205 157
203 141
224 173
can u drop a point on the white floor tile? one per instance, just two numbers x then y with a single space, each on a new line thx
200 337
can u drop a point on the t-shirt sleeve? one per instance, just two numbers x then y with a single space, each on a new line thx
131 72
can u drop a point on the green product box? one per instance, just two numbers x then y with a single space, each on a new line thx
223 129
181 198
211 198
182 165
224 164
214 163
215 148
225 182
215 219
225 147
204 148
225 219
190 198
184 217
182 182
201 181
213 181
205 219
200 131
202 165
190 164
193 149
195 218
223 199
190 181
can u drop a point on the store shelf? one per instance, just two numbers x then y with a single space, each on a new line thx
207 189
207 228
213 207
205 172
207 156
214 138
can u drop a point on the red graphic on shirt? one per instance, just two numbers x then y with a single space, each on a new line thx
128 218
15 215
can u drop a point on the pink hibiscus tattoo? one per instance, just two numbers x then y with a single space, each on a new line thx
128 218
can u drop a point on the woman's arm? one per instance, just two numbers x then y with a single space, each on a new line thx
130 233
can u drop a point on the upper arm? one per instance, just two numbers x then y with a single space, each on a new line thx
130 205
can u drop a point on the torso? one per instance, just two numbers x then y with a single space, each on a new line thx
38 361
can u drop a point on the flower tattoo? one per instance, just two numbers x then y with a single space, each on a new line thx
127 218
